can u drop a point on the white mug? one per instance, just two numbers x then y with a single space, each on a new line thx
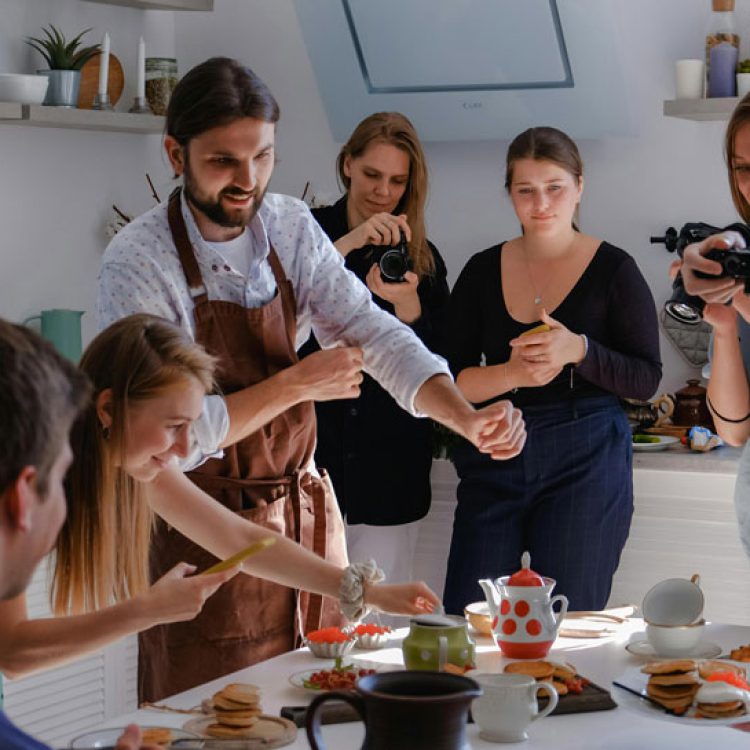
689 79
508 705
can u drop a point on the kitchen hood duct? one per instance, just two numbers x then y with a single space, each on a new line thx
468 69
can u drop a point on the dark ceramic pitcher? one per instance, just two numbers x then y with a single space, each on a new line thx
405 710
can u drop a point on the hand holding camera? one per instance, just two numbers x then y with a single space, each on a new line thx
715 267
380 229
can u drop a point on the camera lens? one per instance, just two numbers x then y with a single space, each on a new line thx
682 306
393 265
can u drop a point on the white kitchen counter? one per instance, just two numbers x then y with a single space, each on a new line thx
684 523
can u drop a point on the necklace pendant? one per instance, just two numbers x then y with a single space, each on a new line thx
537 300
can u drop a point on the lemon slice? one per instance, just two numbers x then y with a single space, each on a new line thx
241 556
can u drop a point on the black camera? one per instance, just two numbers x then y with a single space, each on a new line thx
685 307
393 261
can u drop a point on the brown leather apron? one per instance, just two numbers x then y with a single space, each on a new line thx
261 478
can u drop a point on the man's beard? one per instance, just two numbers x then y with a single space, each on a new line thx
214 210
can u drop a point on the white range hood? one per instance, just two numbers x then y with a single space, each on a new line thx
469 69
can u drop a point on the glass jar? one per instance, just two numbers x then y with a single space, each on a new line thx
161 78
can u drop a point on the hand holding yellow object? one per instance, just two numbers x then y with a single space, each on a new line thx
541 328
241 556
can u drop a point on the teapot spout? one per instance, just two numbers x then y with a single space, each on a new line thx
491 594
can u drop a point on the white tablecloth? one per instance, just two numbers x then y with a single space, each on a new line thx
601 660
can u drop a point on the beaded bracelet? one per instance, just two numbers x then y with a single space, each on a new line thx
352 589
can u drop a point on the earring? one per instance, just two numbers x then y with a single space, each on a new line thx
105 433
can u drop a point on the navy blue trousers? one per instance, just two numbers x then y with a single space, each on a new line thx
567 499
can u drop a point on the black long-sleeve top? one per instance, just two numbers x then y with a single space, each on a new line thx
378 455
611 304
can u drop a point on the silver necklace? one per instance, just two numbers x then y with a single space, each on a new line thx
538 292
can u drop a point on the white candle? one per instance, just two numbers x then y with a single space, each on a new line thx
141 84
104 66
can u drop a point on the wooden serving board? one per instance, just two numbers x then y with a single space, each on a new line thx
593 698
267 732
90 81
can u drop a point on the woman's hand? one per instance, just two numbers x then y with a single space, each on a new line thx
720 289
549 350
401 598
379 229
178 595
522 372
402 295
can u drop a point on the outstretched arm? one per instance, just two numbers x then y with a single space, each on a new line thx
29 645
215 528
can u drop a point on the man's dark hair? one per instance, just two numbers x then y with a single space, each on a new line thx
41 394
215 93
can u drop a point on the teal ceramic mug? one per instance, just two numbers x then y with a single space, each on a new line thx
63 329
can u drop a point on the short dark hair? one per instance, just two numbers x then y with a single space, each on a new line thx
41 394
215 93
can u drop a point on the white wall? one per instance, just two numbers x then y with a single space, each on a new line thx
56 186
669 172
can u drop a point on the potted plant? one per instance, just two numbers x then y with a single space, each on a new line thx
65 59
743 78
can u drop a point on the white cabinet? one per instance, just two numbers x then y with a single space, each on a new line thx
683 523
59 704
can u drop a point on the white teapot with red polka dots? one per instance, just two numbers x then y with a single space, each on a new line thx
524 621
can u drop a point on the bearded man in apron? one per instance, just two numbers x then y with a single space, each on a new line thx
248 274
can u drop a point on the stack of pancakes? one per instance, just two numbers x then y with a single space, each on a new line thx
237 709
672 684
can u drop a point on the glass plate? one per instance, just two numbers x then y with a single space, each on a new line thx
108 737
635 679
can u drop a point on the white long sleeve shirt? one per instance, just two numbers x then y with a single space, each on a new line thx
141 272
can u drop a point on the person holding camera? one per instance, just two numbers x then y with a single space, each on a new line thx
379 456
565 324
727 310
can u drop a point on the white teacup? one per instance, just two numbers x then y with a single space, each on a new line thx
674 640
508 705
674 601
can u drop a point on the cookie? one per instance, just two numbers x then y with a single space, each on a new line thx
669 667
238 718
223 732
560 687
671 693
680 678
563 671
221 701
241 693
539 670
157 736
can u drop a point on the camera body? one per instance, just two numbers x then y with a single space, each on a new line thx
393 261
735 263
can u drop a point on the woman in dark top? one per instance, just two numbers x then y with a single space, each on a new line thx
568 497
379 456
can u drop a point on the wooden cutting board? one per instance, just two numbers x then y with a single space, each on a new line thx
90 81
267 732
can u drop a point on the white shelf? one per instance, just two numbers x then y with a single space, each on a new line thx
79 119
161 4
703 110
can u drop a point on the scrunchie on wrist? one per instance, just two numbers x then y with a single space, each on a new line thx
352 589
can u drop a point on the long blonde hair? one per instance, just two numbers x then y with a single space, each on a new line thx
102 551
740 117
396 130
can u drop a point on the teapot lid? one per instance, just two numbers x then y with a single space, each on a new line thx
525 576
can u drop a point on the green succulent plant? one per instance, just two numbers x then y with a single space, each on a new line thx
60 53
743 66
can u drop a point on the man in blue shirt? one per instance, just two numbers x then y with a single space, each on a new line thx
40 396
